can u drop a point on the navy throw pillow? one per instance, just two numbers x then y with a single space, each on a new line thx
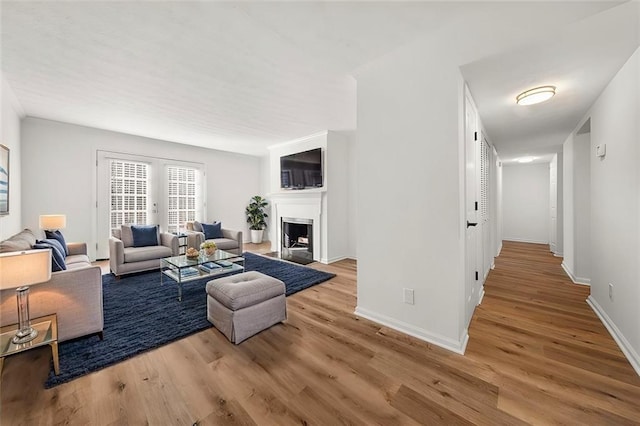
57 235
212 230
57 258
145 235
55 243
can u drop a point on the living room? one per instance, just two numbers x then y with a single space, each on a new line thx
399 209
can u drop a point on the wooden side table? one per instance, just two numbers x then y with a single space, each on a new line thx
47 327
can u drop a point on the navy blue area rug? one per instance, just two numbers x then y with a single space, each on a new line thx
295 277
141 314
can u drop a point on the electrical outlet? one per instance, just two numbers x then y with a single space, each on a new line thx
408 296
611 292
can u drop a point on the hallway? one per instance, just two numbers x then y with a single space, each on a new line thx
554 361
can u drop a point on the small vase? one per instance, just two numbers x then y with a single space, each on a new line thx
209 251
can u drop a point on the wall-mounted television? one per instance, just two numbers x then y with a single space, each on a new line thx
301 170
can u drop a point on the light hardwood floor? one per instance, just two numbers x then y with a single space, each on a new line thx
537 354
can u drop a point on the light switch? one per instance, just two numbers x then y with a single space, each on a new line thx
601 150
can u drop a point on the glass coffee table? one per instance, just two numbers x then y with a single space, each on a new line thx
47 328
182 269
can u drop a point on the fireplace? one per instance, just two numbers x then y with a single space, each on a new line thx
297 240
305 208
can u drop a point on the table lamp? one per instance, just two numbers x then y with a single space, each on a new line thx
19 270
53 222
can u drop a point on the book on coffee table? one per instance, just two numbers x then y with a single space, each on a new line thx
188 272
210 266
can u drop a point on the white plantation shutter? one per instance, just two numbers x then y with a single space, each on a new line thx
183 184
128 188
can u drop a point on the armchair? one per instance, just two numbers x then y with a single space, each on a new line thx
124 258
231 241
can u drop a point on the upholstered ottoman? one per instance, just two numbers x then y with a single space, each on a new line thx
245 304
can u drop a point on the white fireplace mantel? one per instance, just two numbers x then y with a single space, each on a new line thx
297 204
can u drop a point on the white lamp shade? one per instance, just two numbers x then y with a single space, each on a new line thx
24 268
53 221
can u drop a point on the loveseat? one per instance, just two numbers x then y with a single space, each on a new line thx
126 258
228 240
74 294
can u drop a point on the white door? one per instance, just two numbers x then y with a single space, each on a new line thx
471 184
125 194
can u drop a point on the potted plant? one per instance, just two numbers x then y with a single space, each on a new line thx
209 247
256 216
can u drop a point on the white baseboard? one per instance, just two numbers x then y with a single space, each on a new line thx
623 343
524 240
558 254
481 296
334 259
576 280
417 332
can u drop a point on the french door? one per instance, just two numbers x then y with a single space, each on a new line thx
145 190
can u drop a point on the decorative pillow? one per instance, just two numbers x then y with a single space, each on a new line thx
126 236
57 258
212 231
55 243
145 235
197 226
57 235
10 245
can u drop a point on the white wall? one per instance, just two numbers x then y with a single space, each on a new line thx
499 218
577 200
59 175
568 252
615 208
337 196
11 114
265 188
352 198
582 206
410 159
525 202
560 206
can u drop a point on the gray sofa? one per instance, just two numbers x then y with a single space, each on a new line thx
75 294
231 241
124 258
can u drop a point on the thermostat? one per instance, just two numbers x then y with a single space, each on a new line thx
601 150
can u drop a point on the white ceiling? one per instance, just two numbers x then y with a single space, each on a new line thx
241 76
579 59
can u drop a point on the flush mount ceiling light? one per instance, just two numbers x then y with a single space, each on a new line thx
526 159
535 96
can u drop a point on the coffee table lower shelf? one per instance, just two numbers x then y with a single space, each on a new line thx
180 276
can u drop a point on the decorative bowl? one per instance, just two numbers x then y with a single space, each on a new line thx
192 253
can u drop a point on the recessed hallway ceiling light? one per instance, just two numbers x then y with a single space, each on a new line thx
535 96
526 159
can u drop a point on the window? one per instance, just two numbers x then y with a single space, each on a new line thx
128 188
183 190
